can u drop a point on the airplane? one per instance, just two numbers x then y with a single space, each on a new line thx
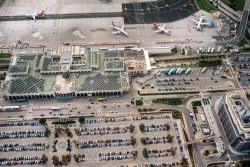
160 29
199 23
119 31
36 14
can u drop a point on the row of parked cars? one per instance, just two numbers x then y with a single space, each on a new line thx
21 134
159 165
7 124
105 143
157 140
150 117
25 160
103 130
155 128
106 120
82 158
116 155
159 153
179 139
244 66
22 147
243 58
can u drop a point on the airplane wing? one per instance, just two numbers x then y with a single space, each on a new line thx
123 27
158 31
195 21
204 24
116 32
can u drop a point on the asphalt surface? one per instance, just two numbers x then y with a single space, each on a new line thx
133 13
158 11
63 16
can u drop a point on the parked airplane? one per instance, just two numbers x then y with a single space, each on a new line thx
119 31
199 23
160 29
36 14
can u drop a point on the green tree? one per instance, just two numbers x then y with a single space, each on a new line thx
141 127
131 128
81 119
55 160
42 121
145 153
44 159
133 140
143 140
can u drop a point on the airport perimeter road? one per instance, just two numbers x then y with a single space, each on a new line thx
63 16
243 26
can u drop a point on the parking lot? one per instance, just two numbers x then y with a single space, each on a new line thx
22 143
195 81
111 142
241 64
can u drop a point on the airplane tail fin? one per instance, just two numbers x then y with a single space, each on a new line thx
164 26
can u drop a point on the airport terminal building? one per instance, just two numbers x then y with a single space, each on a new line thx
74 71
234 114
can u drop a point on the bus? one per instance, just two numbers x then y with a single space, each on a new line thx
56 108
167 71
181 70
101 99
187 71
174 71
204 69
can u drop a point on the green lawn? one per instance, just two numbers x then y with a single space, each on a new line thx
205 5
235 4
5 55
173 101
196 103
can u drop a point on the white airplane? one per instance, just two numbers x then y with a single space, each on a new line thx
159 29
119 31
199 23
36 14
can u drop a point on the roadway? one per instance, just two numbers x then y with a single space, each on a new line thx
63 16
243 26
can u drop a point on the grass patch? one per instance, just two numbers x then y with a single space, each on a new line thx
174 50
235 4
139 102
176 114
220 164
196 103
205 5
243 163
5 55
173 101
209 63
2 77
170 93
